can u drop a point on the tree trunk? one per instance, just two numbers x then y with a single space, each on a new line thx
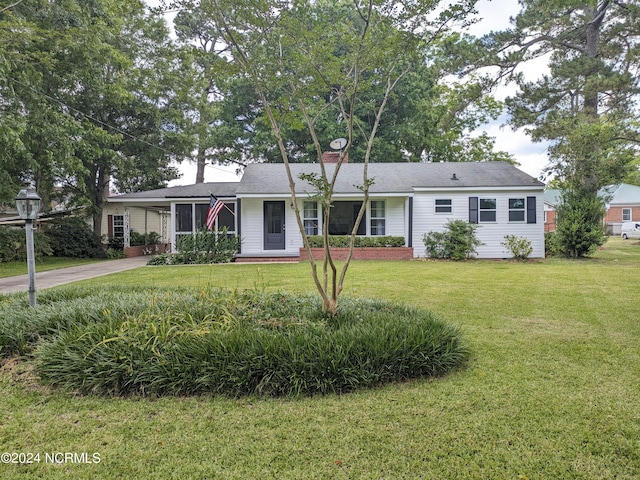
591 96
592 39
201 162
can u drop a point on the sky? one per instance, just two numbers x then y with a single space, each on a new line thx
532 157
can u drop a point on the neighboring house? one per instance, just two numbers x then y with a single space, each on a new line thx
622 205
406 199
551 199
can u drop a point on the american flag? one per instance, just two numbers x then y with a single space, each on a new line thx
215 206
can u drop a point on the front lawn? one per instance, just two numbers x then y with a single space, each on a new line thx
550 391
12 269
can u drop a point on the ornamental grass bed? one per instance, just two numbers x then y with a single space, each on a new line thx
221 342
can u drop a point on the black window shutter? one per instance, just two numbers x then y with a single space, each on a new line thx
531 209
473 209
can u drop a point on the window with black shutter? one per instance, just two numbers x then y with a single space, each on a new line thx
531 209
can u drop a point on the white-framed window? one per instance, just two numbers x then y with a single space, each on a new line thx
377 217
191 217
443 205
517 210
626 215
117 226
310 217
487 209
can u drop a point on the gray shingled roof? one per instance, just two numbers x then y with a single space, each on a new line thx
198 190
271 178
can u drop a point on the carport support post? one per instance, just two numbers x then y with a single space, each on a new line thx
127 231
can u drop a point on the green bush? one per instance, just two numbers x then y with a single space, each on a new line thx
579 228
520 247
151 238
136 239
115 243
457 242
13 245
113 254
182 342
551 246
205 247
73 237
316 241
161 259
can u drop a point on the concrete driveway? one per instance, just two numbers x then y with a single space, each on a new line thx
53 278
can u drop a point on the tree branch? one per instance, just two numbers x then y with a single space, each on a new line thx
10 6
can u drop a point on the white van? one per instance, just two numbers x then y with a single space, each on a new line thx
630 230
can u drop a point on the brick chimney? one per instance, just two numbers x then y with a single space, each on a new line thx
333 157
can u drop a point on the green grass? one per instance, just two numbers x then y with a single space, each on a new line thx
551 391
12 269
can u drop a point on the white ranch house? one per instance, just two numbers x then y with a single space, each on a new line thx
406 200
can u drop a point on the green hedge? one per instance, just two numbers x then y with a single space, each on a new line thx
73 237
206 247
135 240
183 342
316 241
13 245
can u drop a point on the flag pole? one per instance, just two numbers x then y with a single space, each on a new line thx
225 205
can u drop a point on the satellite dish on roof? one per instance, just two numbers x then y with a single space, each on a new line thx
338 143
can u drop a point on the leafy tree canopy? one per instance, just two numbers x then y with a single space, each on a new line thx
587 103
427 118
83 90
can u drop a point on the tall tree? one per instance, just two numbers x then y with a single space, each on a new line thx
217 107
90 110
120 73
28 123
587 105
310 61
197 95
427 119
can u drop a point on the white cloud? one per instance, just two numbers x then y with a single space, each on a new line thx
212 173
531 156
494 15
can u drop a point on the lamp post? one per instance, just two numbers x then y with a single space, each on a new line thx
28 205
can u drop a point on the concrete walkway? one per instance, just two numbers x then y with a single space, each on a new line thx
53 278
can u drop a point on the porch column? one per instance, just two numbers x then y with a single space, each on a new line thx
173 227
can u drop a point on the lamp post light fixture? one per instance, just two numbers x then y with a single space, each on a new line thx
28 205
